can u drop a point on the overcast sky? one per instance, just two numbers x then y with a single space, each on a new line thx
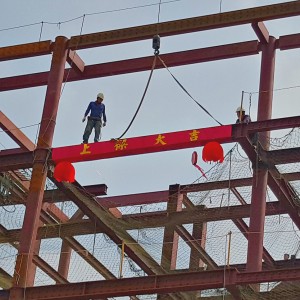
216 85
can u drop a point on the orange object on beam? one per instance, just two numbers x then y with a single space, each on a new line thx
219 20
25 50
141 145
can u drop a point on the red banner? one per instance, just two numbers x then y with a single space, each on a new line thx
141 145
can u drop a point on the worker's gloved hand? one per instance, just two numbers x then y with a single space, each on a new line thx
104 124
83 119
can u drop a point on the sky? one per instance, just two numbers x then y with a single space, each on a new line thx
216 85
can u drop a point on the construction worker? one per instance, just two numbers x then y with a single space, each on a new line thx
97 109
241 116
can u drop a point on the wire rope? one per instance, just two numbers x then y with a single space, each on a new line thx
184 89
89 14
142 100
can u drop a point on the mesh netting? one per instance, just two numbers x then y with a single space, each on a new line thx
94 251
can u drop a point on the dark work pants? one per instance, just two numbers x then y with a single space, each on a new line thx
88 130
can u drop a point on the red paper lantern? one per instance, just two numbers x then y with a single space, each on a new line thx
194 163
194 158
213 151
64 171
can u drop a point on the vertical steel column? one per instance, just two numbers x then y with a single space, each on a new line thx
259 188
199 234
23 275
266 85
65 259
170 241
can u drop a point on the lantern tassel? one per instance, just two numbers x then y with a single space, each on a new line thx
201 170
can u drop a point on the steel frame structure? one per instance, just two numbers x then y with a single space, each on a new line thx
161 278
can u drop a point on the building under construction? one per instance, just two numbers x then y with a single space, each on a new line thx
232 235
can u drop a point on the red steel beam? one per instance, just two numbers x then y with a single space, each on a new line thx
284 156
55 196
25 160
10 162
148 220
134 199
75 61
155 284
143 64
287 42
46 268
136 65
261 31
15 133
241 131
219 20
141 145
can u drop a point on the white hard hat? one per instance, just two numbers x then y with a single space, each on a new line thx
100 95
240 109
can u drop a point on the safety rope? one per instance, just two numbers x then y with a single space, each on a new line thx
183 88
141 102
229 178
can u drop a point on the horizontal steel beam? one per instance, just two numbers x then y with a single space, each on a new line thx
288 42
16 161
284 156
148 220
219 20
145 63
25 50
242 130
239 132
134 199
135 65
155 284
55 196
142 145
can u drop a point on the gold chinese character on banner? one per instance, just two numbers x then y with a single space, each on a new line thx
160 140
121 144
85 149
194 135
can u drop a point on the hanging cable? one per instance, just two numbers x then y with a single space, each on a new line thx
90 14
41 31
229 178
143 97
188 92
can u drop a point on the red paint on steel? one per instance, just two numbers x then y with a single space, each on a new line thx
141 145
260 178
24 269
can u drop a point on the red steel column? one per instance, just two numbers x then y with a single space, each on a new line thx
65 259
199 234
170 241
24 275
260 177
